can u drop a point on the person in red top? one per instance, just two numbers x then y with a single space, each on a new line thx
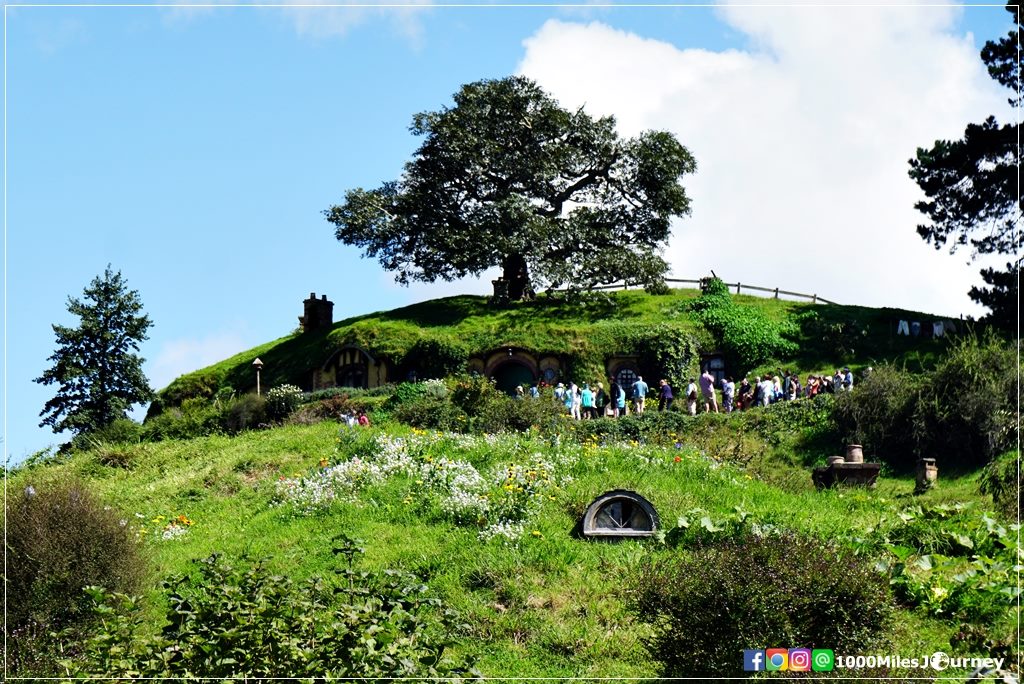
363 420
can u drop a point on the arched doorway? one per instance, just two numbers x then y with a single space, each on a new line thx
512 373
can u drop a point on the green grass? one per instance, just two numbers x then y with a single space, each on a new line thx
586 331
548 605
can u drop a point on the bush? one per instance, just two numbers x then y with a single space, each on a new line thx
246 412
60 539
226 622
432 413
405 392
968 411
1002 479
746 334
878 414
757 592
194 418
282 401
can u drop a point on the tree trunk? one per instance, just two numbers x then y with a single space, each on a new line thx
516 274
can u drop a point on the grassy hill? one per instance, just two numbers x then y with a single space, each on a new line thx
584 330
488 523
541 603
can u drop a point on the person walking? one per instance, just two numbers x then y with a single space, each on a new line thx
665 397
615 394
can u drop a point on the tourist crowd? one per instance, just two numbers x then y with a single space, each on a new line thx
588 402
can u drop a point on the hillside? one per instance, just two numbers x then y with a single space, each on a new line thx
477 503
585 338
534 599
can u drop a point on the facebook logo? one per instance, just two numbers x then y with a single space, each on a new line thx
753 661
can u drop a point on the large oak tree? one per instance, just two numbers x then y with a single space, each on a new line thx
506 177
972 186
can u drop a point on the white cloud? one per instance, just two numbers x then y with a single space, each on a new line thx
801 141
188 354
322 18
330 19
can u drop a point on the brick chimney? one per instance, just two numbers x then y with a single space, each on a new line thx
318 313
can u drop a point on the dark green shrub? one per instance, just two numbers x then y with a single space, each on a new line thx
405 392
967 413
505 414
60 539
226 622
879 412
194 418
1002 479
121 431
432 413
757 592
246 412
330 408
282 401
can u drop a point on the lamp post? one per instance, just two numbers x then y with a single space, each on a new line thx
257 364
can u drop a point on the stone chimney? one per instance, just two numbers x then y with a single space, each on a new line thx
318 313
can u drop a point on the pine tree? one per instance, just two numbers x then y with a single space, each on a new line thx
98 373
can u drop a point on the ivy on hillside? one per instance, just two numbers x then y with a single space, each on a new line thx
747 336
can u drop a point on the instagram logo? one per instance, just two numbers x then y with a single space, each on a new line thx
776 659
800 659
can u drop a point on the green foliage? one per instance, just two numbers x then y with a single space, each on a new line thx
431 413
968 413
202 384
839 339
60 538
704 606
1001 297
879 412
972 188
953 563
436 358
224 621
1002 479
246 412
282 401
122 431
405 393
963 412
537 185
98 376
194 418
747 336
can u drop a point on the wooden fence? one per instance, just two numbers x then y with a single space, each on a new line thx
739 289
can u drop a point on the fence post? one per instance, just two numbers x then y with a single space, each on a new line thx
776 293
814 298
737 288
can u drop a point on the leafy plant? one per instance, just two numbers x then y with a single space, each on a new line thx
746 334
282 401
227 621
60 538
774 589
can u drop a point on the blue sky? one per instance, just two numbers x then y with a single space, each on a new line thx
193 148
